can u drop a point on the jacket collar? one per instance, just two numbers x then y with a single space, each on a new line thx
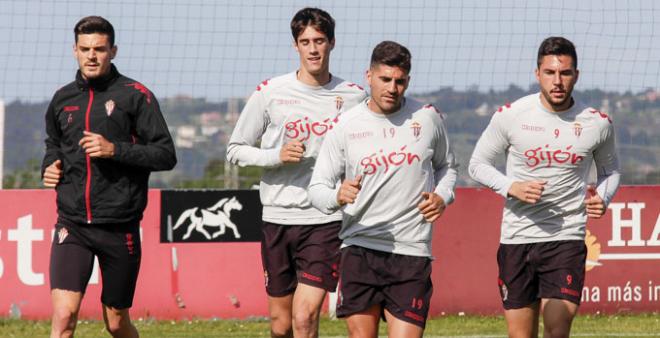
101 83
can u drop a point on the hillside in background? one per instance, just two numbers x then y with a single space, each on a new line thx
201 130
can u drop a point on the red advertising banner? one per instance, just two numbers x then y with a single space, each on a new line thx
623 273
225 279
177 280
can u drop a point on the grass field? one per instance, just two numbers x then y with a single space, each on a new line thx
646 325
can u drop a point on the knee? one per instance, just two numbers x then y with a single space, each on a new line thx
281 332
113 327
305 320
64 315
64 322
557 329
280 327
119 327
359 332
557 332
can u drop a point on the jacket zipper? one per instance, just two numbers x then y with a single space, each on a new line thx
88 184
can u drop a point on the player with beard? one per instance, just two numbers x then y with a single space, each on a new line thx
398 175
550 141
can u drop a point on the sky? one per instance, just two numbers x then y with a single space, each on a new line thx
222 49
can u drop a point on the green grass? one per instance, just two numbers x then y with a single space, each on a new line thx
644 325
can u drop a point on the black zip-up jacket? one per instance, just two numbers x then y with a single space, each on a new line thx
106 190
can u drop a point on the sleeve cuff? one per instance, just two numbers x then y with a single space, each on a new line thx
447 196
334 205
504 190
273 158
118 151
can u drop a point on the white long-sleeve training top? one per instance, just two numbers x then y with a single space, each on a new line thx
399 155
283 109
558 148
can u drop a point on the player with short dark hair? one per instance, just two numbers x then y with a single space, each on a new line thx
105 135
317 18
556 45
550 141
281 129
95 24
398 176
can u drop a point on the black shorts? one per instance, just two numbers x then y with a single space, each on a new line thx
293 254
529 272
399 283
118 249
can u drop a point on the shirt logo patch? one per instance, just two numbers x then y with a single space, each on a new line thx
339 102
71 108
383 160
360 135
109 107
416 128
577 129
532 128
304 129
287 101
546 156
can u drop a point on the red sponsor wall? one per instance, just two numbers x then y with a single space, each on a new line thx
225 280
221 280
623 260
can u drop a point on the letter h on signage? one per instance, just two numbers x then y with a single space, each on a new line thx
635 225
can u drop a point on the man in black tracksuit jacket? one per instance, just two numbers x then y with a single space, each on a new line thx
106 134
114 189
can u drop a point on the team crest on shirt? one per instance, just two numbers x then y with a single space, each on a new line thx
577 129
416 128
62 234
109 107
339 102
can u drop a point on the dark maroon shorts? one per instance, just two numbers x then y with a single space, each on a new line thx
399 283
118 249
529 272
293 254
